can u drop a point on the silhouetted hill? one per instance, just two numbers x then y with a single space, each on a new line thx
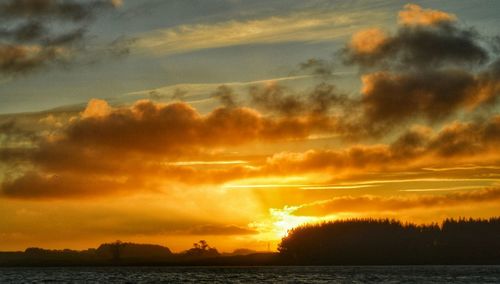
241 251
119 253
44 257
369 241
125 251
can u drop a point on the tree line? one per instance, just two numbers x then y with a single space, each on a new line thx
384 241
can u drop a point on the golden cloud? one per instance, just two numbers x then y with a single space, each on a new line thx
372 203
416 15
368 41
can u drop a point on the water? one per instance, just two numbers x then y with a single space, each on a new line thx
270 274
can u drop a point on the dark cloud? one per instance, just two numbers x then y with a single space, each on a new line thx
420 45
54 9
15 59
411 143
325 97
29 41
120 46
454 140
179 94
431 69
457 139
391 98
319 67
12 155
461 139
11 133
225 95
33 185
28 31
336 161
275 98
280 100
420 145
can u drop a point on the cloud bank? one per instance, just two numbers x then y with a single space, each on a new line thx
28 39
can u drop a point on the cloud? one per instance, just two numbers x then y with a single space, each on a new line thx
12 133
430 69
178 127
28 39
423 40
127 149
357 157
370 203
224 94
111 145
147 145
56 9
416 15
281 100
318 67
32 185
391 98
96 108
16 59
367 41
305 26
417 146
458 139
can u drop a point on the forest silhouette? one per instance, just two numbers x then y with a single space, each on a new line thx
342 242
384 241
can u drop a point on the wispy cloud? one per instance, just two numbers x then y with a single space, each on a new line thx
370 203
312 26
195 89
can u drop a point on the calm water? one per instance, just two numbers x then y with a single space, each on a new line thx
301 274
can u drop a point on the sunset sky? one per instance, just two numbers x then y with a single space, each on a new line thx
232 121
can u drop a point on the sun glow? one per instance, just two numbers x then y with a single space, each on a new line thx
284 221
280 221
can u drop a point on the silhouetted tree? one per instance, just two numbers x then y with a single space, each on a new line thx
202 249
369 241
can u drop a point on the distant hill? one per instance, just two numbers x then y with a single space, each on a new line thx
125 251
120 253
106 254
368 241
241 251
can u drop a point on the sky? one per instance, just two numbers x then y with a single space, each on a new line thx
234 121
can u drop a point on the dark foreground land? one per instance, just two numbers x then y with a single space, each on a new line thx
348 242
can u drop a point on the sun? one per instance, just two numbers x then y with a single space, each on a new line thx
284 221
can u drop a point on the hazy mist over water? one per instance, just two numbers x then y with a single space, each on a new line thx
277 274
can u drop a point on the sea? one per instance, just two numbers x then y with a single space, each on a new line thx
264 274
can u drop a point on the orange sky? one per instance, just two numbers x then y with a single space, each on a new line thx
417 141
